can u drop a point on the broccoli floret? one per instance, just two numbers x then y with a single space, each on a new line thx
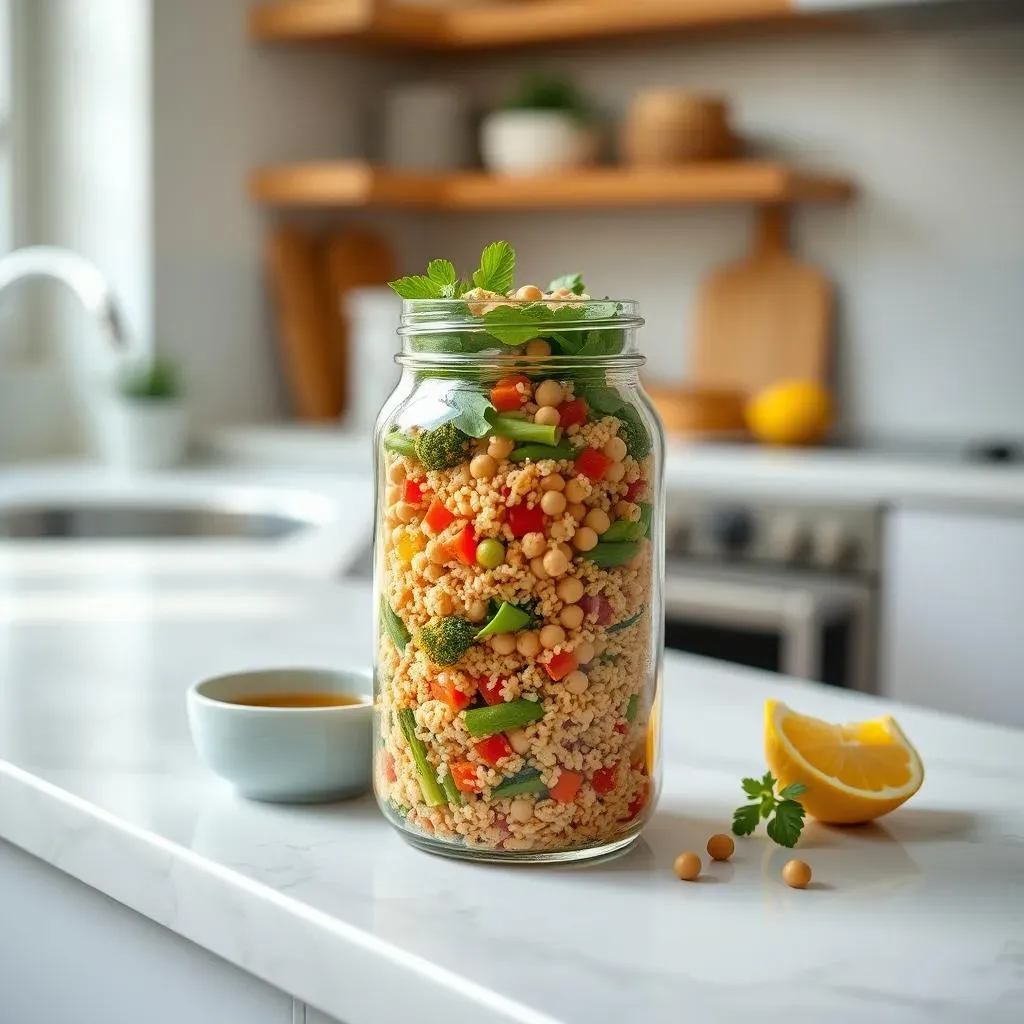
446 640
634 433
442 448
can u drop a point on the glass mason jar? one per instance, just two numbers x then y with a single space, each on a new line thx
519 559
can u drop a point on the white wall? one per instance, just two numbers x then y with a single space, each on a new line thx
929 262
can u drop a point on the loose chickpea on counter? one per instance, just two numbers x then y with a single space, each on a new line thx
796 874
687 866
721 846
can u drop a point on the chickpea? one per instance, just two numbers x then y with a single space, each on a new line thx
577 510
521 810
528 644
687 866
585 539
575 490
721 846
553 503
551 636
571 616
483 467
518 740
597 520
538 348
534 545
547 416
434 572
537 568
391 494
436 553
585 653
396 473
503 643
567 551
615 449
500 447
576 682
555 563
797 874
529 293
569 590
405 512
614 473
549 392
476 611
554 482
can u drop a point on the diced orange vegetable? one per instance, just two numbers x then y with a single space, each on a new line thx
592 463
493 749
604 779
561 665
410 544
413 493
445 690
571 413
464 546
438 518
387 766
566 788
511 393
464 776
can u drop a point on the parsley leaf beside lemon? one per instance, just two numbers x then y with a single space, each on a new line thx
786 814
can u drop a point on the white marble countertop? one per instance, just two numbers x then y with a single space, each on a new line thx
747 470
917 918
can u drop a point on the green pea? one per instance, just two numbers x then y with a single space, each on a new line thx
490 553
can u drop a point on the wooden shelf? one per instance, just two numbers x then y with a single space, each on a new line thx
494 25
353 183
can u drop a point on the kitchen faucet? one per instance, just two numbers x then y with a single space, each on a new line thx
80 275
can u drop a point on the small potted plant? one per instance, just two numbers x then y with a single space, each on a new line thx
545 125
145 422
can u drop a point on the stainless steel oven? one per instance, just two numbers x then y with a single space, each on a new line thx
788 587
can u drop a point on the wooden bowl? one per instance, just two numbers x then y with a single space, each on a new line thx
665 128
699 411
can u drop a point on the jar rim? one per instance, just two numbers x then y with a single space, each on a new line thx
421 316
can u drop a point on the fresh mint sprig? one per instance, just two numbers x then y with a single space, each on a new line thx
784 810
495 274
497 268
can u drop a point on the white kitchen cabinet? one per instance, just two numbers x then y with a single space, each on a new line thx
70 955
953 603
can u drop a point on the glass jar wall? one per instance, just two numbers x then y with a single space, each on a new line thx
518 568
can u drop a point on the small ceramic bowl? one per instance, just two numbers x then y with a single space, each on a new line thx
285 754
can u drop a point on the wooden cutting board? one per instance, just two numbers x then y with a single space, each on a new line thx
305 330
354 258
764 319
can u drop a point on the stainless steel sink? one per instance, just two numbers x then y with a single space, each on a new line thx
99 521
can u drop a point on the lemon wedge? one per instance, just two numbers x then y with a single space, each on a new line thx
853 773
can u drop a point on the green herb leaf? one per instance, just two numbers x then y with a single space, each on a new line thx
794 789
516 325
788 823
753 788
745 819
468 410
442 272
574 282
608 402
497 268
416 287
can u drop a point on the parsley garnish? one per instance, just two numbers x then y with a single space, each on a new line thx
785 811
497 268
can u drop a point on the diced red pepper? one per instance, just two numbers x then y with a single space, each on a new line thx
604 779
464 776
493 749
491 691
621 728
634 489
438 518
464 546
413 492
561 665
566 788
571 413
445 690
511 393
387 766
506 491
638 804
592 463
522 520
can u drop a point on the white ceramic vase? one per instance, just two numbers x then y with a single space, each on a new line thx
535 141
143 433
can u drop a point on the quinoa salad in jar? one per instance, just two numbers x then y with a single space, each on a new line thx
518 567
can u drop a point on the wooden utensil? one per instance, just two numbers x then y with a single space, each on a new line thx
764 319
354 257
304 322
700 412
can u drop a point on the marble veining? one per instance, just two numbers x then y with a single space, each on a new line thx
919 917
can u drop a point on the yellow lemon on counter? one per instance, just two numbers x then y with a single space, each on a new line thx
791 412
853 773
